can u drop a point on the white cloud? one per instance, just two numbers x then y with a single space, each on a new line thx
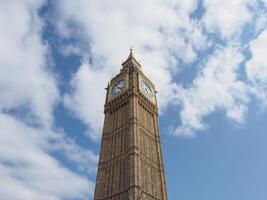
84 159
24 78
28 168
261 21
226 17
29 89
216 88
221 85
256 67
162 36
88 96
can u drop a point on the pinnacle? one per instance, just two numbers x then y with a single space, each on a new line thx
131 54
130 58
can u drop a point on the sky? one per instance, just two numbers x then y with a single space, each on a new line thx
207 59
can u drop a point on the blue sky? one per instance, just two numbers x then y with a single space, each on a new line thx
206 58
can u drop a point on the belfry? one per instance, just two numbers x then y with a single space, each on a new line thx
130 164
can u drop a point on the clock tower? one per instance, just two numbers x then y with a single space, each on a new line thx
130 164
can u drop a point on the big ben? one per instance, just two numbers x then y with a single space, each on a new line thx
130 163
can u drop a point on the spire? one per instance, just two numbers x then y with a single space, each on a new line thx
131 52
130 58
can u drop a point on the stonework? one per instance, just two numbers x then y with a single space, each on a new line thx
130 164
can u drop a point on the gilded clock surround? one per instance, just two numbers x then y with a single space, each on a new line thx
130 164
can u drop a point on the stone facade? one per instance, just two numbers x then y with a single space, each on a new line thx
130 164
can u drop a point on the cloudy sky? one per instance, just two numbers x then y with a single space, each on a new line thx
207 59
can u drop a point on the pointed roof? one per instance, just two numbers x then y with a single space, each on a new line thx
131 58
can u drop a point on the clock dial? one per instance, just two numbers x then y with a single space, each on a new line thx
146 89
118 87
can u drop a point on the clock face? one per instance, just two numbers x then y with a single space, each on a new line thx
146 89
118 87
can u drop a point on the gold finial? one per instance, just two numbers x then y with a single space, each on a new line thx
131 49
